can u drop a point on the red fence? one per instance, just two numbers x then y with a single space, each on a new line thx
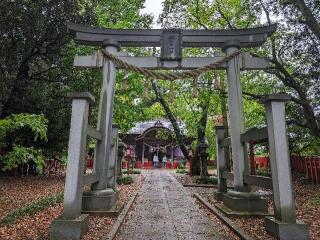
309 165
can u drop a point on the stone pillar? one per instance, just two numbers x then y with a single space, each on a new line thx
236 114
101 197
221 163
241 200
112 168
105 115
283 225
72 224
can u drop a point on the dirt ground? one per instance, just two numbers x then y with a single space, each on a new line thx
307 198
16 192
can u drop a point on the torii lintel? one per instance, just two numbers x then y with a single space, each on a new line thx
249 37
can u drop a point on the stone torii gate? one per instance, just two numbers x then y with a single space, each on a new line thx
72 224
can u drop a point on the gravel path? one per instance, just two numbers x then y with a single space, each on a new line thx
165 210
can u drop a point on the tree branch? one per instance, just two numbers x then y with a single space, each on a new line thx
310 20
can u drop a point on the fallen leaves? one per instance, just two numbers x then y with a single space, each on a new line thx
18 192
307 197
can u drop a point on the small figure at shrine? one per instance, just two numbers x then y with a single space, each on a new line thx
155 160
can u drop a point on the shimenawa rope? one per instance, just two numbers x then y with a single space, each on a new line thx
168 75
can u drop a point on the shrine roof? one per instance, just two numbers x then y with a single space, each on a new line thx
141 127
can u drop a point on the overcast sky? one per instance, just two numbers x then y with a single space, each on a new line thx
154 7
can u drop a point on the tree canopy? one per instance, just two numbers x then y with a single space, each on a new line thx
37 55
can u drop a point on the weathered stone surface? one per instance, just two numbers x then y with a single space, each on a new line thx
99 200
165 210
69 229
287 231
246 204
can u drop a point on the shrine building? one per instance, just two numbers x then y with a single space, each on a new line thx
153 138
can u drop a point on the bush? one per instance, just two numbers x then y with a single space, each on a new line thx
182 171
207 180
19 133
20 155
124 180
132 172
32 209
263 172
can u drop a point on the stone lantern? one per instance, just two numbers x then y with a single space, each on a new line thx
203 155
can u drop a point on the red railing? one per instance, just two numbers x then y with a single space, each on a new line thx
262 162
309 165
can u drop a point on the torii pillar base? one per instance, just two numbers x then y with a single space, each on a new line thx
287 231
99 200
245 203
69 229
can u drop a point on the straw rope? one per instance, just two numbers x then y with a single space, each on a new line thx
168 75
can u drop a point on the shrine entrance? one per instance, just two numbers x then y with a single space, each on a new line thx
103 193
154 144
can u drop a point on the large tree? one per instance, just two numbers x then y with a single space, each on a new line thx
37 55
293 51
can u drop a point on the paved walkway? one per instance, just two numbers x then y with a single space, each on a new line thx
166 211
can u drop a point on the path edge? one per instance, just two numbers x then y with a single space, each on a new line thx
116 226
239 232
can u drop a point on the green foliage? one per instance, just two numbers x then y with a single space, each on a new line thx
134 171
263 172
31 209
182 171
18 135
124 180
18 122
20 155
207 180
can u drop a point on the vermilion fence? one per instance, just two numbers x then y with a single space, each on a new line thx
309 165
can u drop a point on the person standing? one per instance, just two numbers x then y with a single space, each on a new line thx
164 161
155 160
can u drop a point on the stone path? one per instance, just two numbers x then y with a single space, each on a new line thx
166 211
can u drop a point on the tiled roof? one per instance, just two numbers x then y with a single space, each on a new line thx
141 127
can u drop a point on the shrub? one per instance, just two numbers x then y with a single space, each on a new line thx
19 133
182 171
132 172
207 180
124 180
263 172
20 155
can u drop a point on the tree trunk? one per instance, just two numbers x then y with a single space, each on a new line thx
309 19
203 168
172 119
16 102
225 120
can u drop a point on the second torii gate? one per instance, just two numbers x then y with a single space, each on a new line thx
102 195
